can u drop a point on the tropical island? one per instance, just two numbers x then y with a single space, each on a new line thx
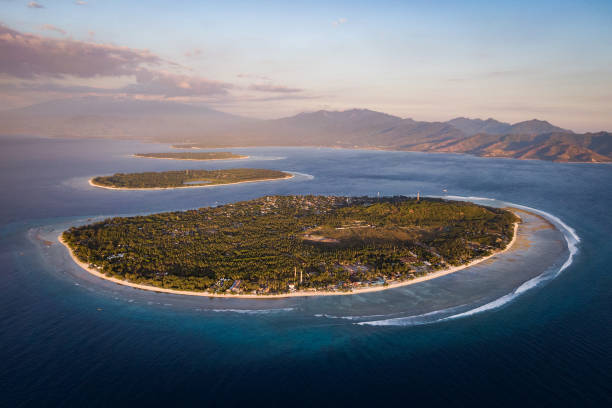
185 178
292 245
205 156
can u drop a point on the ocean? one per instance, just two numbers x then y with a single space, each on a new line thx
533 328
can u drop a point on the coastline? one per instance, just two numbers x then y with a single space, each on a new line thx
170 158
309 293
388 149
91 183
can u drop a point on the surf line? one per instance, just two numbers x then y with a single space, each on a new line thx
571 238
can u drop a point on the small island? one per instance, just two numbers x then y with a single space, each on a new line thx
185 178
292 245
185 146
204 156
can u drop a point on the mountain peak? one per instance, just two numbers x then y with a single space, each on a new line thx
475 126
535 127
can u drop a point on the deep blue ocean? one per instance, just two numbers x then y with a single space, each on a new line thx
534 329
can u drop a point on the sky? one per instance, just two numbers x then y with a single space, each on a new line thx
427 60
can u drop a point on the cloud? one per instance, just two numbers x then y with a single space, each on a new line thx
274 88
50 27
194 53
339 21
29 56
260 77
488 75
171 85
47 87
80 3
282 98
147 83
52 65
36 5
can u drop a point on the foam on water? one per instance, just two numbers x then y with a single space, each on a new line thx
571 237
328 316
305 176
413 320
470 198
260 158
253 311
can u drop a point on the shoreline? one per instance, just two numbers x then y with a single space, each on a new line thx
170 158
432 275
91 183
385 149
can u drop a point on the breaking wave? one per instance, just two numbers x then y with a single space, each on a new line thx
253 311
260 158
415 320
302 175
572 239
328 316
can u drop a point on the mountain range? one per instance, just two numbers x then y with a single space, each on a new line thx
166 121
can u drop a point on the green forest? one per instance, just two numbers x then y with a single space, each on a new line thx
192 156
279 244
186 178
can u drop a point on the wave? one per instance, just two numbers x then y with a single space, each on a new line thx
304 175
453 197
571 238
260 158
253 311
414 320
328 316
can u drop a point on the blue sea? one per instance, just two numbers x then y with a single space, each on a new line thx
532 328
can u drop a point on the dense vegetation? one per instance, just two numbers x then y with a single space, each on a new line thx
185 178
277 244
192 156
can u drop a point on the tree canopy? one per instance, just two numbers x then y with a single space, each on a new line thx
276 244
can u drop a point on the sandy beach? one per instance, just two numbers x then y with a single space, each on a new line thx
378 288
91 183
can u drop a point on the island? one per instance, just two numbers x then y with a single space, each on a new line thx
292 245
186 146
185 178
206 156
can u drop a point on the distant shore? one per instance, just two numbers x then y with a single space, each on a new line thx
91 183
303 293
383 149
242 157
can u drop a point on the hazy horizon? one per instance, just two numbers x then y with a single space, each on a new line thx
331 110
511 62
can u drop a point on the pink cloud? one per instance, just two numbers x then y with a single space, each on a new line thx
194 53
274 88
41 60
148 83
50 27
34 4
261 77
170 85
50 87
28 56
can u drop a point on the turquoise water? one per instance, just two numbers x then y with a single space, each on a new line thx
532 328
